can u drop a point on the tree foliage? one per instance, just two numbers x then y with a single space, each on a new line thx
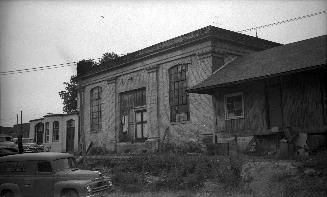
106 57
69 95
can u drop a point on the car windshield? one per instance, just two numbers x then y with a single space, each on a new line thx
64 163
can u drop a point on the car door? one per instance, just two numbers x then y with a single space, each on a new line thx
43 183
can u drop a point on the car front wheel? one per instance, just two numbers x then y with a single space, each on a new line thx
7 193
69 193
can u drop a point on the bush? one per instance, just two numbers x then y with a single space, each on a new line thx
171 171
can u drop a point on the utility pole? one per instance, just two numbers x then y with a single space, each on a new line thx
17 129
20 136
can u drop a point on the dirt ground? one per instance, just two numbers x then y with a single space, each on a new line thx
177 194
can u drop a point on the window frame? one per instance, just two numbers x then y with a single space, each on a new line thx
44 172
96 109
47 132
226 96
142 122
178 97
55 132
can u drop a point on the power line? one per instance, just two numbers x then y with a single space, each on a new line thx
35 69
283 21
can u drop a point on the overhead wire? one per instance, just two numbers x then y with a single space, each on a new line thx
283 21
35 69
55 66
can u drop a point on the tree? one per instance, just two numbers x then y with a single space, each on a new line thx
107 57
70 95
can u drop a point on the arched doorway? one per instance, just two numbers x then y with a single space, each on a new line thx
70 135
39 130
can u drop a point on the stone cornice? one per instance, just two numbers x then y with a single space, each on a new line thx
111 80
152 68
206 33
80 88
225 51
183 61
204 53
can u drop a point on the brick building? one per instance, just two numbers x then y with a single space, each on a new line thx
140 99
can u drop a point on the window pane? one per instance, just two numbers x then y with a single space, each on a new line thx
139 131
145 116
44 166
234 106
145 130
138 116
177 92
96 108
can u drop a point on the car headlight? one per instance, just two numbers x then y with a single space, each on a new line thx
88 188
109 183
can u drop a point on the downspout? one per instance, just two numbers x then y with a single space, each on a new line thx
158 106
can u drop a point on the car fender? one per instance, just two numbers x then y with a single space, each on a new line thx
11 186
78 185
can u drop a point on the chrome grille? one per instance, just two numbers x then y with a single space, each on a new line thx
100 186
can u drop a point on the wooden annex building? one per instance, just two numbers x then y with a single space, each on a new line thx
272 93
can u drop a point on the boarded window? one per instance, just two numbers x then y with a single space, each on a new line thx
96 109
234 106
178 98
274 106
55 133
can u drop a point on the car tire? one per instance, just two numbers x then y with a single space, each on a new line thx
7 193
69 193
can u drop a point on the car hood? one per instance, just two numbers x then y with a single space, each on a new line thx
8 144
80 174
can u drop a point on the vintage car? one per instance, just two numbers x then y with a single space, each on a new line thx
49 174
29 146
6 141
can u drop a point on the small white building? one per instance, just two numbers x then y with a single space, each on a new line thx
59 132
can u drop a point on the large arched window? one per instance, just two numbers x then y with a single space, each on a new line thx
96 109
178 99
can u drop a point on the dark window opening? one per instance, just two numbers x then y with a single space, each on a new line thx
133 115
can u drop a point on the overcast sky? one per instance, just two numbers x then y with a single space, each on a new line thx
41 33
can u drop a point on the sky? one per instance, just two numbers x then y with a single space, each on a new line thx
41 33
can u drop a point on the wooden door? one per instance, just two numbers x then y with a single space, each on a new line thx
39 133
70 135
274 106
